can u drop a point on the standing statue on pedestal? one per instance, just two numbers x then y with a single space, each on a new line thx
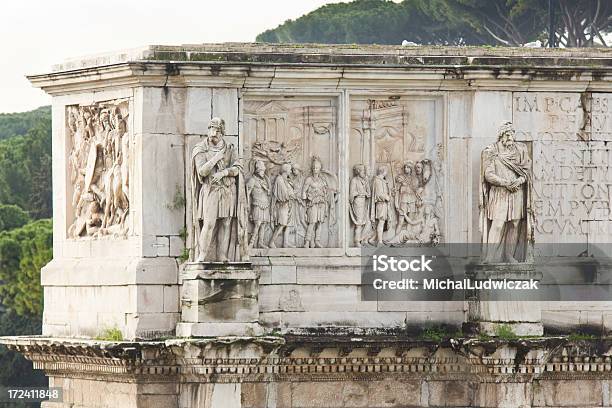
219 199
506 218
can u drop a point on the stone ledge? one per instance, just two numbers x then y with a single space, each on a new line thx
295 358
343 54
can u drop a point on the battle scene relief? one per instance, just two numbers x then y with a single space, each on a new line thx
99 141
291 146
396 188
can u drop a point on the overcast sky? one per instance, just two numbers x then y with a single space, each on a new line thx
35 34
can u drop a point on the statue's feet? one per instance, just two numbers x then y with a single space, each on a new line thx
512 260
200 258
272 245
318 244
223 259
263 245
307 244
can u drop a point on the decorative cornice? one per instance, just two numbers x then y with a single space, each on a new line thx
298 358
326 77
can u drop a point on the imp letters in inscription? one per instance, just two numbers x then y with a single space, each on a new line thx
505 199
99 163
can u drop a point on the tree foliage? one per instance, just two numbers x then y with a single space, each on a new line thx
25 246
25 170
371 21
583 24
23 252
495 22
16 124
12 217
449 22
15 370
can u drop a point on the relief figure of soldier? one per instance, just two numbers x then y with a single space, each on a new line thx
381 197
319 197
283 198
258 194
359 195
406 197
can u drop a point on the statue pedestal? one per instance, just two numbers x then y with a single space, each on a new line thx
219 299
489 310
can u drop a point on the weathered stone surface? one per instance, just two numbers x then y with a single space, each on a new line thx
254 395
450 393
568 393
323 120
323 371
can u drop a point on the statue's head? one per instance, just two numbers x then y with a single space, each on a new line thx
216 130
359 170
286 168
408 165
105 119
418 167
382 171
260 167
120 123
316 165
296 170
505 134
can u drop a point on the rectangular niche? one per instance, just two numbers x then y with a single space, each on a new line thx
292 131
99 144
405 136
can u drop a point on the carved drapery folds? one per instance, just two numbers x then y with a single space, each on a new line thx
505 199
293 149
396 183
220 199
99 158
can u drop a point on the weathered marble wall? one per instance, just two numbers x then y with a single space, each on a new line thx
413 109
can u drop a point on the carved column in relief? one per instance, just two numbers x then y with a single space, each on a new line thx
99 163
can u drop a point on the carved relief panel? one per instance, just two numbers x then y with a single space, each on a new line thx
396 171
291 148
99 142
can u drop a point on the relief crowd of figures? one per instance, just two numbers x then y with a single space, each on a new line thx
290 201
99 169
375 204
